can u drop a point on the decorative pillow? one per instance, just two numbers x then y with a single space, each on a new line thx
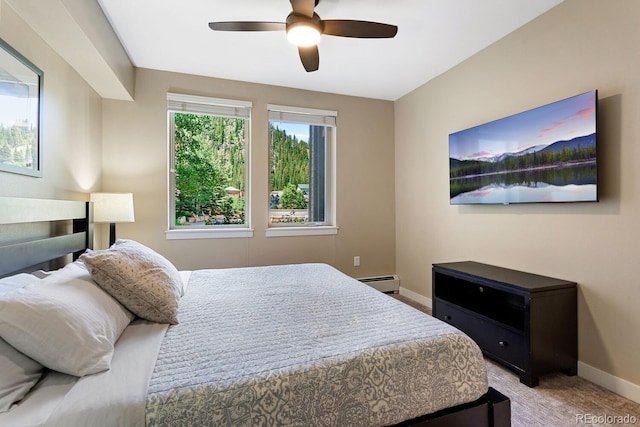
65 322
141 279
19 375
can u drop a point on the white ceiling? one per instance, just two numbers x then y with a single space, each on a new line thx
433 36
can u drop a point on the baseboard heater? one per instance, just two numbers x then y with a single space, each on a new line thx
386 284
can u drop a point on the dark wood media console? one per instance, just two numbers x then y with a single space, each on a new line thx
524 321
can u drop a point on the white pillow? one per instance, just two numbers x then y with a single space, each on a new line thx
17 281
141 279
18 374
65 322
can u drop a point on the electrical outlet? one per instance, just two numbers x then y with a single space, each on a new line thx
356 261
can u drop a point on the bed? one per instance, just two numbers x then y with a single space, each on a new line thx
296 345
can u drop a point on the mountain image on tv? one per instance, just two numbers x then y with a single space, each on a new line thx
547 154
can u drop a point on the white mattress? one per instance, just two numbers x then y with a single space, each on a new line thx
112 398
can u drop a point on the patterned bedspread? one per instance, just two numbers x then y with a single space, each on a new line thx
305 345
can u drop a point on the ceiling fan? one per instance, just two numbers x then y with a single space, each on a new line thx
304 28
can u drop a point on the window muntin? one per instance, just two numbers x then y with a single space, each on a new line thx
301 145
208 145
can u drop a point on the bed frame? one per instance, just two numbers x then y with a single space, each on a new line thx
40 233
491 410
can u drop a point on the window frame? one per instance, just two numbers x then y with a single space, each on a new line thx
309 116
217 107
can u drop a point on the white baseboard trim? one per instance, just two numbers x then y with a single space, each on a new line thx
416 297
604 379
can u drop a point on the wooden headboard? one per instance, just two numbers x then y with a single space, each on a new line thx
37 233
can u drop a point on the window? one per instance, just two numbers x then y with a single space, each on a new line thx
208 185
301 146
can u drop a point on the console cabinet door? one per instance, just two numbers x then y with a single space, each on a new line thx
499 342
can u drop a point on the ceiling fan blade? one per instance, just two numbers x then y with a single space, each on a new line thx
310 57
247 26
303 7
359 29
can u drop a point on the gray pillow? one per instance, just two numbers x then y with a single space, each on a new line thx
142 280
18 374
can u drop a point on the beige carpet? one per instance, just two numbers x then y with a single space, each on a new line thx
559 400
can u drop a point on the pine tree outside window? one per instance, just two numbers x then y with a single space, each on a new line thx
208 171
301 167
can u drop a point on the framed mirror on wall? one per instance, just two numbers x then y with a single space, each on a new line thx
20 113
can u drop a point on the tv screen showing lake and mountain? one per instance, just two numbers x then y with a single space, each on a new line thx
547 154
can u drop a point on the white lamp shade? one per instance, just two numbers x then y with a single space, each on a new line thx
112 207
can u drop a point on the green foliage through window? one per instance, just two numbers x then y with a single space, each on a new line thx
289 159
298 170
209 169
18 145
293 198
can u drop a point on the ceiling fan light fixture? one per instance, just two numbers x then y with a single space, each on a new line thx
304 31
303 35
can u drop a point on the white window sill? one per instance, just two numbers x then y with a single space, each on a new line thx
201 233
301 231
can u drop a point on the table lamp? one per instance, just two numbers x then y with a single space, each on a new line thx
112 208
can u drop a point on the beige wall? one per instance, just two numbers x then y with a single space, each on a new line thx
135 159
71 130
578 46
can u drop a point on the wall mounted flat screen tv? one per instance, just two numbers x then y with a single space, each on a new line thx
547 154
